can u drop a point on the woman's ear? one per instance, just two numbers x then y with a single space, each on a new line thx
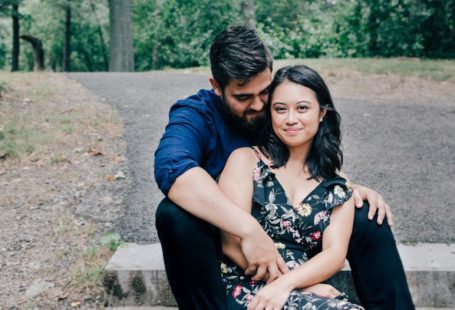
322 114
216 87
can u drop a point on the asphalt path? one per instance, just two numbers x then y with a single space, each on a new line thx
403 149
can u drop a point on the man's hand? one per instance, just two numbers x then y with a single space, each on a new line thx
264 261
375 201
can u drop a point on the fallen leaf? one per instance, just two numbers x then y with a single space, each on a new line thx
110 178
75 304
55 293
119 175
95 153
118 159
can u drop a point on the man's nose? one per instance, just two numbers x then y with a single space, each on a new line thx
257 104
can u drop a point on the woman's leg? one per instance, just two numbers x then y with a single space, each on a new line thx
376 265
191 249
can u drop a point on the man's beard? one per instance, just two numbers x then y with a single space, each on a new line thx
249 126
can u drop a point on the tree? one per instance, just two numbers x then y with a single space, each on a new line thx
16 44
249 13
121 36
38 52
67 44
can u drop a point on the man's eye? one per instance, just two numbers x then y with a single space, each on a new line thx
242 98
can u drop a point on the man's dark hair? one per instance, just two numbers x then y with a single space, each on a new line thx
237 53
325 156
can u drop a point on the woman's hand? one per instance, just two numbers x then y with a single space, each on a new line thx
273 296
323 290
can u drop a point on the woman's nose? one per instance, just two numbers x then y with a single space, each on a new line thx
290 118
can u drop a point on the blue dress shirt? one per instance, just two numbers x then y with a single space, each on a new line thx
197 135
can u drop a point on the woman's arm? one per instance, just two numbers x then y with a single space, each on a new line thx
320 267
236 183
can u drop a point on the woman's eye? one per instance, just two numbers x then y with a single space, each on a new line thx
302 108
279 109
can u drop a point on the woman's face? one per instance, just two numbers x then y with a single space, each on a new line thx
295 114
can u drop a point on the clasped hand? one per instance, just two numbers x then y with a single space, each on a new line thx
264 261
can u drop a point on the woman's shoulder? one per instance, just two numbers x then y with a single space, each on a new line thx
244 154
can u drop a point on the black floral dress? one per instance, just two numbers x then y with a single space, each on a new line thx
297 233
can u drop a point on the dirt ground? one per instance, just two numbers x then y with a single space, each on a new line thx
62 183
64 180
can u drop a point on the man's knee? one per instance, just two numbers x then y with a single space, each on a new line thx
175 223
370 230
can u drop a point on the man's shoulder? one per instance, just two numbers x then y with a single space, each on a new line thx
203 101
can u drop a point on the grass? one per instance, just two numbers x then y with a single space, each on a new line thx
89 270
16 138
437 70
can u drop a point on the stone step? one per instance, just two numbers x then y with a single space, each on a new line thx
135 276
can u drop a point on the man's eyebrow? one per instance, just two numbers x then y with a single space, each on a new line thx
265 89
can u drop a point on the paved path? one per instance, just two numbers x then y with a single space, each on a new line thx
404 149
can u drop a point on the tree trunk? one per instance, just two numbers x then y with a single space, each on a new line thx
100 34
38 52
121 32
249 14
67 44
16 45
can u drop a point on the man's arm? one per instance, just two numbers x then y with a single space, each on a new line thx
180 177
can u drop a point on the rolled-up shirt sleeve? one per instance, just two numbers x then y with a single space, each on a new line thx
182 146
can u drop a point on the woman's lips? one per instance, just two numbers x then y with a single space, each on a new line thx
292 131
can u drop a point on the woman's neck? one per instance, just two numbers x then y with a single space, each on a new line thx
297 157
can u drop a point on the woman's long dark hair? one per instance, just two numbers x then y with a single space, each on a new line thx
325 156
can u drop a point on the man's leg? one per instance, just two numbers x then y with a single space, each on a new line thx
191 249
376 265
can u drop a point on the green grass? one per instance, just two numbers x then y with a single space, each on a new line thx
16 139
437 70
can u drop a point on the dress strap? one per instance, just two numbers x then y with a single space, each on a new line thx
258 155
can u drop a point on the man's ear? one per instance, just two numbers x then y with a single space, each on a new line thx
216 87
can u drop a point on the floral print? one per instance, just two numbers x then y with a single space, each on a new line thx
297 232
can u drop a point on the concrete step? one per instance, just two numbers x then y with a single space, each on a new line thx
135 276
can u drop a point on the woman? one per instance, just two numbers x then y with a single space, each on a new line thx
296 195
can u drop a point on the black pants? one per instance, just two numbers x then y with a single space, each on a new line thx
191 249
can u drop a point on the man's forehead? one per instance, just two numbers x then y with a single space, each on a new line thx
258 83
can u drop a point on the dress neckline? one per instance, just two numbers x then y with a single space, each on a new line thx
288 201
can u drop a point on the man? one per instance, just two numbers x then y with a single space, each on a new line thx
202 132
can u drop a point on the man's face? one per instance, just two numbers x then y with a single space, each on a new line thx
245 102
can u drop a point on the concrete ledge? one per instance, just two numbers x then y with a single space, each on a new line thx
135 276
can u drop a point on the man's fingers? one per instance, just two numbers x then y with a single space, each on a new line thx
381 212
373 208
251 269
273 272
260 273
388 213
358 201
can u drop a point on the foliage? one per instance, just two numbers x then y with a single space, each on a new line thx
178 33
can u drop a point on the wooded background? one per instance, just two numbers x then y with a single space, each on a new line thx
139 35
